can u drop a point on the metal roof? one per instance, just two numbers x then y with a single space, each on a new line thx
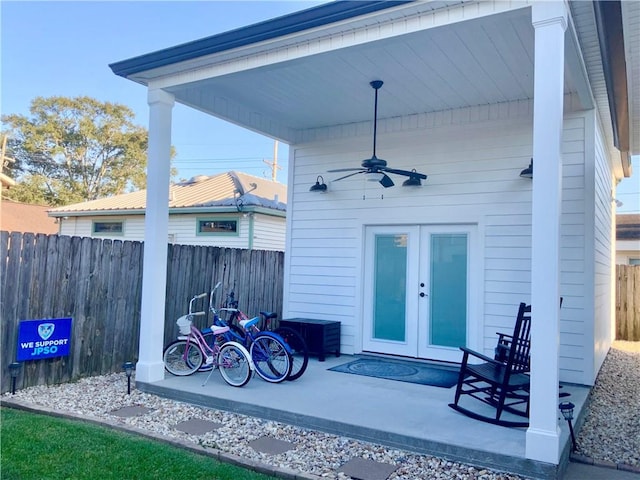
208 193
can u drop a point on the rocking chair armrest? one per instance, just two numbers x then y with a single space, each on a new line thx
479 355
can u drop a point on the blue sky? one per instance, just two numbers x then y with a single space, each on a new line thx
65 48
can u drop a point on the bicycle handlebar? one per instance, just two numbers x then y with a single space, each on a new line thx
211 302
202 295
198 314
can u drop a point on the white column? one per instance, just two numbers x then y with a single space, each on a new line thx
543 435
150 367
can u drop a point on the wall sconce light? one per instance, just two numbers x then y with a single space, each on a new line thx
566 408
14 370
527 172
320 186
412 181
128 369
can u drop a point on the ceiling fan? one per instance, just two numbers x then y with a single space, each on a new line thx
378 166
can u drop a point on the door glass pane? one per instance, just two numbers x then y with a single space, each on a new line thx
448 301
390 287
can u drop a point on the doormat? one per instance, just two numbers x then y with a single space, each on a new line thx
425 374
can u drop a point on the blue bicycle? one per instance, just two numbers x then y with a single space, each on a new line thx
270 353
296 344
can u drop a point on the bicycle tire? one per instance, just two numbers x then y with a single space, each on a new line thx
179 364
298 349
234 364
270 358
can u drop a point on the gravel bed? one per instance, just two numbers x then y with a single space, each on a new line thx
611 431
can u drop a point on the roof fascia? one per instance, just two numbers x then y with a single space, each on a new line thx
608 17
94 213
284 25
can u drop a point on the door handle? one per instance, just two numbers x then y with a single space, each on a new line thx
422 294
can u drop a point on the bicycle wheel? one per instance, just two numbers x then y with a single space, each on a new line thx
211 341
298 349
270 357
234 364
182 358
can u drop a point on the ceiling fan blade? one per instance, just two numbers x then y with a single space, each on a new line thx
350 175
386 181
406 173
344 170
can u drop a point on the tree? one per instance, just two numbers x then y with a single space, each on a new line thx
74 150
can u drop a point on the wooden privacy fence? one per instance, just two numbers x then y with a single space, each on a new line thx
98 283
628 302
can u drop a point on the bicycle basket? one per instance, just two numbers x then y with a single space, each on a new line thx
184 324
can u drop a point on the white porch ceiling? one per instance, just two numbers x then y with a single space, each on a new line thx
485 61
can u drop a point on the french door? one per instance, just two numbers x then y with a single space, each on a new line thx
417 283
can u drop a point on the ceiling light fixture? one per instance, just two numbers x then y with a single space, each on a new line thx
412 181
375 168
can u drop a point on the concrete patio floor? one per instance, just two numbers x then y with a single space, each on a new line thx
404 415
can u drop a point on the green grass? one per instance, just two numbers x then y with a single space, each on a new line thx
34 446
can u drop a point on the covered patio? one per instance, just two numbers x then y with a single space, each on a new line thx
473 91
398 414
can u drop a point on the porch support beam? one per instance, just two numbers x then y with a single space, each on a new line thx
543 435
150 366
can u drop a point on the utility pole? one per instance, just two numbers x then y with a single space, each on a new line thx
5 181
274 165
4 162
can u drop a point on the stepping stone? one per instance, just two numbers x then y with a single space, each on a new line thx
197 426
362 469
132 411
271 445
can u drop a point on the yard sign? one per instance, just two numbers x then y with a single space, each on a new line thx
38 339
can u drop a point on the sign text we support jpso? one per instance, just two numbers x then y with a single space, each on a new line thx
48 338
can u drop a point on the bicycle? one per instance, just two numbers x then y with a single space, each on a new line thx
296 343
191 350
269 352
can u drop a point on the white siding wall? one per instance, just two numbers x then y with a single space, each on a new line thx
604 243
270 231
473 159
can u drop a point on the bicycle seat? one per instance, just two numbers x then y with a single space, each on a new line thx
268 315
219 330
249 323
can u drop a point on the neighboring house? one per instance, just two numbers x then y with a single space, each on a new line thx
230 209
628 239
472 91
26 218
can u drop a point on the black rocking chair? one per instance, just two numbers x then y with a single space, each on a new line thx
503 381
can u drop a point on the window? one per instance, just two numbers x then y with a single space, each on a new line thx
220 226
108 228
634 261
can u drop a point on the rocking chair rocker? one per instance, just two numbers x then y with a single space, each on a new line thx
501 382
